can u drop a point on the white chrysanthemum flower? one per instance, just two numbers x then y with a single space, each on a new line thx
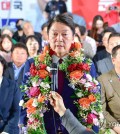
95 81
44 85
88 84
35 103
101 116
79 94
21 103
89 77
95 121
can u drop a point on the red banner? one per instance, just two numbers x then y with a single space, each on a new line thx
89 8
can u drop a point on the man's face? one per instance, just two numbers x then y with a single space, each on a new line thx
44 34
28 29
113 41
105 39
19 56
116 60
77 31
60 38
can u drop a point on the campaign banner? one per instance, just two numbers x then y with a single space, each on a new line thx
89 8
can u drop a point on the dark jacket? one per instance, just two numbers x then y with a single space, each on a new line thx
9 106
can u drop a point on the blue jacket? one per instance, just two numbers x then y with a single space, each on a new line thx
9 106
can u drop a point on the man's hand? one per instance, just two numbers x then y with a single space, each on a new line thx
117 129
57 102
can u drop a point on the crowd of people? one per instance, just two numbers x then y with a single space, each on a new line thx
18 49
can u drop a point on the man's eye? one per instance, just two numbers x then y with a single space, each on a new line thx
64 34
55 34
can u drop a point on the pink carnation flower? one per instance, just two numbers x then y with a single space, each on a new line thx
34 91
90 118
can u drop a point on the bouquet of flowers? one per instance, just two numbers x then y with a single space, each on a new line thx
87 89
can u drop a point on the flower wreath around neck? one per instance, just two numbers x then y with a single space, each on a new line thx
37 88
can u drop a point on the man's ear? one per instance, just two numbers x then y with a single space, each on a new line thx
113 60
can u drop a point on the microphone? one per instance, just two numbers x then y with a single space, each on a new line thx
54 72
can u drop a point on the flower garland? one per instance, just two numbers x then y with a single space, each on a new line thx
37 88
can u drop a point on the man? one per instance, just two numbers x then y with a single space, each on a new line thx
44 34
19 55
61 35
102 61
110 86
69 121
28 30
15 69
89 43
19 33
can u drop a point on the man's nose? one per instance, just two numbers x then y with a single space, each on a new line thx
59 37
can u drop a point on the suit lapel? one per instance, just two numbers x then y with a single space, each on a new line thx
108 63
3 92
115 82
11 71
20 78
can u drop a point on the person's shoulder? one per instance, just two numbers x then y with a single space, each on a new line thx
9 82
90 38
106 75
10 64
100 55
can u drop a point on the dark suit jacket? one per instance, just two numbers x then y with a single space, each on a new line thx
110 86
9 106
9 73
103 62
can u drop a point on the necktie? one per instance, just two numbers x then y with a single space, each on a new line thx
60 79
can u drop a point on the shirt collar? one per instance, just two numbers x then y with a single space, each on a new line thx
15 67
56 59
1 78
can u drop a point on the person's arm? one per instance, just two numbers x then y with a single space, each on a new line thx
69 121
12 123
73 126
27 69
93 71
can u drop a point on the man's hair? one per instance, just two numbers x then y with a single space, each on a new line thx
19 20
82 29
24 22
64 19
19 45
108 29
113 35
114 51
45 25
7 28
4 63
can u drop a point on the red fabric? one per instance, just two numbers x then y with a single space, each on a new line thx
113 16
60 79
